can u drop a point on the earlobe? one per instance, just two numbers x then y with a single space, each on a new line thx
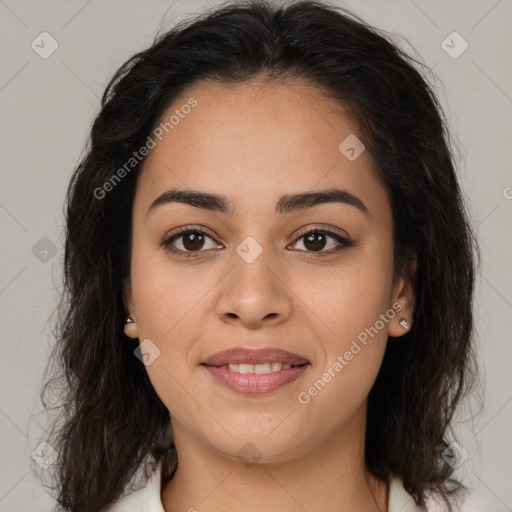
130 324
130 328
405 295
401 323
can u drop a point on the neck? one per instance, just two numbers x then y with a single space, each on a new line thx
330 477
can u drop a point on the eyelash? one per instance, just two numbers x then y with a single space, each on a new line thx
167 242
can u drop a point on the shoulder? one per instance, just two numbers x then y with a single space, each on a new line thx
129 503
146 499
400 500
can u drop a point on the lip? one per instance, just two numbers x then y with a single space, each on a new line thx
242 355
253 383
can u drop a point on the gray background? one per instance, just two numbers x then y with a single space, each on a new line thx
47 106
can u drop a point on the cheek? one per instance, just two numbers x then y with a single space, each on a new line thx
167 295
347 321
344 300
169 301
346 314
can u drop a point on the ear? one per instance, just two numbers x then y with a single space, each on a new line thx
405 296
130 329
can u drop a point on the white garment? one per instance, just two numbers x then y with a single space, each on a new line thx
147 499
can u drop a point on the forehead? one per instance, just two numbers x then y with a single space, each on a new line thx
255 141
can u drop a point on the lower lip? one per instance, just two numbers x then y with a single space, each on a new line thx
254 383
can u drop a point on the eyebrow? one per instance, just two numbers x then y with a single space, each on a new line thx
286 204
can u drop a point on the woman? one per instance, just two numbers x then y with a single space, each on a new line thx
269 276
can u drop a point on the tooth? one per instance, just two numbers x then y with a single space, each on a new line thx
277 367
246 368
262 368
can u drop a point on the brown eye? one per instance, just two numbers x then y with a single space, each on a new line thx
193 241
189 241
319 239
315 241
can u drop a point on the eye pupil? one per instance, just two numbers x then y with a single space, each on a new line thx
316 241
196 241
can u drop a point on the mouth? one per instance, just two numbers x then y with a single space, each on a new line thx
255 371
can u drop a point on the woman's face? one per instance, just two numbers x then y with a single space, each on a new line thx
257 277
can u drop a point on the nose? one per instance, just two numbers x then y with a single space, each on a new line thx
255 294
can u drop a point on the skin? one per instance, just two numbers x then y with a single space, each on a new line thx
252 143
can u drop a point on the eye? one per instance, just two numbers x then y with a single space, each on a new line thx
317 240
187 241
190 241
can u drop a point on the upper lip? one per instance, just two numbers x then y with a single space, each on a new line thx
243 355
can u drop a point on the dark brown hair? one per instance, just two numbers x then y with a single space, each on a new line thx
111 420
